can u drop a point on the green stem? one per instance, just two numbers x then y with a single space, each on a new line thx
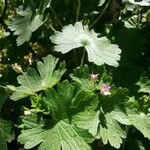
124 142
75 57
77 17
83 57
101 14
41 6
56 16
53 29
139 17
5 9
1 86
78 9
104 68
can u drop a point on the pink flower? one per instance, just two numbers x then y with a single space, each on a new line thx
94 77
106 89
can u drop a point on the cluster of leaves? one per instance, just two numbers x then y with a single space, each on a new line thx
58 101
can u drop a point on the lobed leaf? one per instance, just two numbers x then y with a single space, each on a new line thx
32 81
6 133
62 136
24 24
144 84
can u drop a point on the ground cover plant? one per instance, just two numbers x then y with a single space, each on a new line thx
74 74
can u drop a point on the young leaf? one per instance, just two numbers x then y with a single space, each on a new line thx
89 120
110 131
57 102
6 133
141 121
81 76
144 84
131 116
90 79
32 81
67 97
24 25
61 136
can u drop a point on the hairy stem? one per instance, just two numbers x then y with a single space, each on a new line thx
5 8
78 9
53 29
124 142
83 57
3 14
56 16
1 86
41 6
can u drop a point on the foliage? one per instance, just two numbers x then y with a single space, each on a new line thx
31 82
74 74
6 133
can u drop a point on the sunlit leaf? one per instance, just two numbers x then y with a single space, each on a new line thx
60 136
99 50
33 81
144 84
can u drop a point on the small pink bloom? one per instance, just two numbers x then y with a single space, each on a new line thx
94 77
106 89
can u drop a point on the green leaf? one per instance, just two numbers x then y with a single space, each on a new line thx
88 138
3 97
61 136
58 102
3 142
32 81
144 84
24 24
121 117
140 121
101 123
111 131
88 120
6 133
132 116
83 77
116 101
66 98
31 121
